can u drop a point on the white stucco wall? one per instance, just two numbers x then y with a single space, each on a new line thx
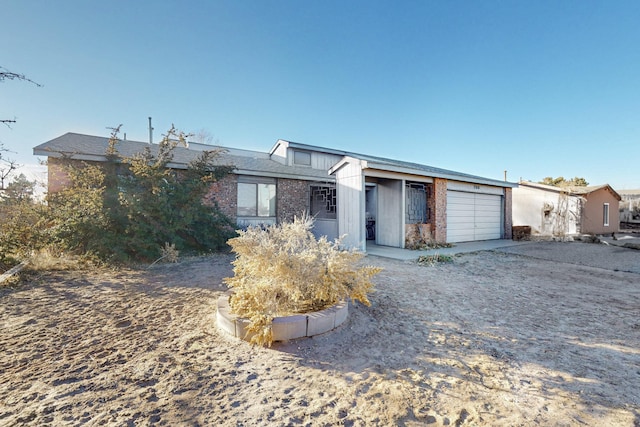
528 208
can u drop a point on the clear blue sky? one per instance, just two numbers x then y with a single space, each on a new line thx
537 88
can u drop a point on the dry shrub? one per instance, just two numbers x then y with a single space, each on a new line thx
283 269
49 259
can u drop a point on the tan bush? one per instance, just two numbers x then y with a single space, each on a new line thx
283 269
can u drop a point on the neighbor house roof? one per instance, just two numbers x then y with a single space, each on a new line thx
246 162
391 165
629 193
572 190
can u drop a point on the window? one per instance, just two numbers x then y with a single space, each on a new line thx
257 198
416 204
302 158
323 201
605 214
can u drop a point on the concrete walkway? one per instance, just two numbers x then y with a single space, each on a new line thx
458 248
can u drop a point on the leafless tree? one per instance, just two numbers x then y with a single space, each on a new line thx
203 136
7 166
10 75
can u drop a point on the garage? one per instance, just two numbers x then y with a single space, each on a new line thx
473 215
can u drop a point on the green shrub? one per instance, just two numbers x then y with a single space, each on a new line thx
20 224
283 269
130 208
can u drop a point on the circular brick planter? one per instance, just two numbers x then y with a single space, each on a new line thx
284 328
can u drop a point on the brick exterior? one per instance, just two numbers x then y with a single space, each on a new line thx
58 178
508 216
292 198
439 231
225 193
431 204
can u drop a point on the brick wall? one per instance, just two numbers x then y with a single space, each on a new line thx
225 193
57 176
439 209
292 198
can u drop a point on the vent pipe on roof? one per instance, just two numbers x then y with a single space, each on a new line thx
150 132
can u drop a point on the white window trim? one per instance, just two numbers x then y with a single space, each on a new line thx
605 214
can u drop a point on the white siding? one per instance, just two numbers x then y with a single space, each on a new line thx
389 221
324 161
351 205
325 227
280 154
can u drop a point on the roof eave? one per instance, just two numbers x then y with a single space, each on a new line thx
450 177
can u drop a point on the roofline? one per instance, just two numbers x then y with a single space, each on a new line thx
447 176
309 148
570 190
346 159
175 165
366 164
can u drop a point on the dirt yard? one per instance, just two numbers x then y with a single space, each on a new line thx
494 338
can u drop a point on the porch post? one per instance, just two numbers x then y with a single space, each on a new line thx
440 214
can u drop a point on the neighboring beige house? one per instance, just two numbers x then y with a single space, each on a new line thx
365 198
563 211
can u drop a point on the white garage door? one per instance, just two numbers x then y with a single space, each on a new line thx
473 216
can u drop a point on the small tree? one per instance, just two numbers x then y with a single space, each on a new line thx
19 189
76 217
163 205
20 217
562 182
283 269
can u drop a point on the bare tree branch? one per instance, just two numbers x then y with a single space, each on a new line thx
7 122
6 168
8 75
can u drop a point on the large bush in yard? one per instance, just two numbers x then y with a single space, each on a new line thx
129 208
283 269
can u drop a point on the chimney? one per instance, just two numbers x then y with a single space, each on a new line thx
150 132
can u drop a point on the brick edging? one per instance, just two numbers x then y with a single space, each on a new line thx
284 328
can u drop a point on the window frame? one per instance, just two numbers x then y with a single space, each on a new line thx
261 187
332 203
296 160
605 214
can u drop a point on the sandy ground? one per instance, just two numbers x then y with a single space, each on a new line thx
495 338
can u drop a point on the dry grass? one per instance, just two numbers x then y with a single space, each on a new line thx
49 259
282 269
